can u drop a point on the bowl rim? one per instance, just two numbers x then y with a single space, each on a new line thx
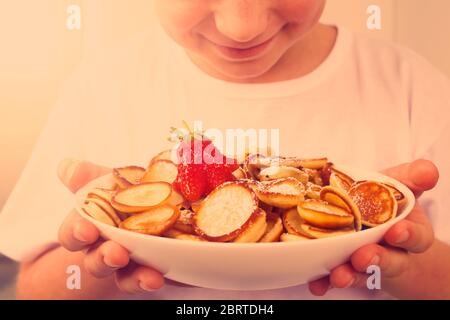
410 202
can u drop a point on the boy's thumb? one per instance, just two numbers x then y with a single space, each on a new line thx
75 174
420 175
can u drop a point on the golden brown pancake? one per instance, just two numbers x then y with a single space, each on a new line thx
375 201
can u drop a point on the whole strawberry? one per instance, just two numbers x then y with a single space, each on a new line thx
202 167
177 183
216 174
230 164
192 150
191 181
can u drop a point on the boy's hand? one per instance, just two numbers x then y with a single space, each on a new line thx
103 258
412 235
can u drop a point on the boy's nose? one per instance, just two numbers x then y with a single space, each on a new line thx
241 20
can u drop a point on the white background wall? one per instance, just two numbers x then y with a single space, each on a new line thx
37 52
352 14
421 25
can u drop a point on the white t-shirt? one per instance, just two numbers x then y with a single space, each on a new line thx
370 104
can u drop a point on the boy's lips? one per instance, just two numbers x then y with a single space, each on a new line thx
242 54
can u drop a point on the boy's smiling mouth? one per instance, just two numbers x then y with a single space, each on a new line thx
250 53
245 53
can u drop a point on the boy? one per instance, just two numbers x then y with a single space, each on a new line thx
239 64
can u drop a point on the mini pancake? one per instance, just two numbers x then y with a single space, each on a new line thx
375 201
288 237
239 173
340 180
161 170
96 212
294 224
226 212
337 197
324 215
279 172
184 222
106 207
128 176
254 230
164 155
319 233
264 162
176 234
399 196
101 193
141 197
274 228
313 191
155 221
282 193
251 165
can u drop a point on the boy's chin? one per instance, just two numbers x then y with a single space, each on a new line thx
244 72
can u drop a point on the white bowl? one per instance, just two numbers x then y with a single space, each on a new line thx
255 266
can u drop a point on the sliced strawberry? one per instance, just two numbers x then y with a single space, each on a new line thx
192 181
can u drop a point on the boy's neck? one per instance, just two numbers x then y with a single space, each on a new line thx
301 59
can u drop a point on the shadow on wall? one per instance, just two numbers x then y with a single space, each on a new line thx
8 271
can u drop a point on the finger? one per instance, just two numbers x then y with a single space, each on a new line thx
320 287
135 279
178 284
75 174
344 276
414 234
77 233
420 175
105 258
392 262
